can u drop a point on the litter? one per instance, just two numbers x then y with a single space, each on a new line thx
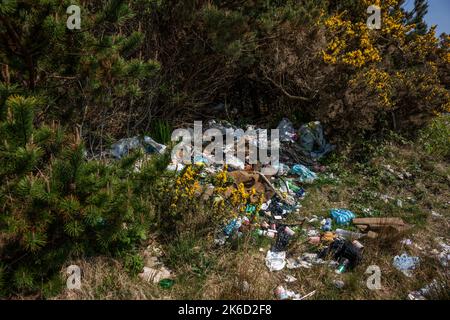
358 245
444 255
253 181
406 242
313 233
304 174
314 240
344 252
283 169
220 240
339 284
433 287
286 131
327 225
284 294
385 225
284 235
406 264
328 237
166 283
342 216
245 286
312 141
232 227
290 279
308 295
155 275
343 266
275 261
350 235
269 234
292 263
124 146
436 215
313 219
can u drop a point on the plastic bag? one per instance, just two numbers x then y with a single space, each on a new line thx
287 131
275 261
304 174
124 146
312 141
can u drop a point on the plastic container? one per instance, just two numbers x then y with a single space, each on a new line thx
350 235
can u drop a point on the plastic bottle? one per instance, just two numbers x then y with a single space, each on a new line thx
233 225
348 234
343 266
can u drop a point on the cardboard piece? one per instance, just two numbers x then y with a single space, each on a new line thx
380 225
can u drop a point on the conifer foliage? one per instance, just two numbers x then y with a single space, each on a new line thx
95 70
55 205
418 16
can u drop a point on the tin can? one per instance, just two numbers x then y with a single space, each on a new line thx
289 231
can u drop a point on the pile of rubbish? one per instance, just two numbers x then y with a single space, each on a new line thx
335 240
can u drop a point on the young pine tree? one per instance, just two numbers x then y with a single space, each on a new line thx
417 16
55 205
85 74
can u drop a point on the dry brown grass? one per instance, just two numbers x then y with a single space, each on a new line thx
204 271
105 279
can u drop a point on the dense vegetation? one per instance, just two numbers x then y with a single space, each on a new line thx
143 66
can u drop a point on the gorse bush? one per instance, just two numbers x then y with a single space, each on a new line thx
148 66
134 61
393 77
55 205
311 60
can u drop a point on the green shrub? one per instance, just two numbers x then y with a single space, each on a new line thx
161 131
56 205
435 137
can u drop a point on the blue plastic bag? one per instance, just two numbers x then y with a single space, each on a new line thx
304 174
342 216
